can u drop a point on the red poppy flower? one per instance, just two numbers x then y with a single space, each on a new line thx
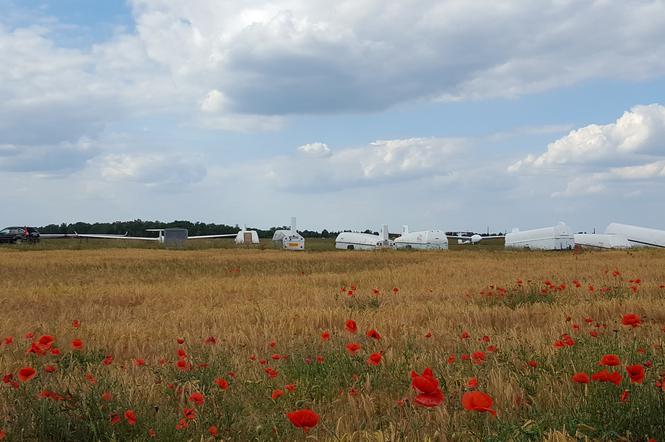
353 347
222 383
636 373
532 364
76 323
271 372
213 431
9 340
90 378
182 424
325 335
182 364
319 359
45 342
580 378
114 418
304 419
395 290
290 387
107 360
430 400
77 344
373 334
50 369
606 376
152 432
610 360
465 335
139 362
277 393
211 340
351 326
451 359
472 383
428 386
478 401
26 373
130 417
182 354
180 341
374 359
197 398
428 334
107 396
624 396
2 434
478 357
189 413
631 319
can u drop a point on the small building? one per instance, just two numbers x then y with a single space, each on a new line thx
638 236
601 241
559 237
422 240
364 241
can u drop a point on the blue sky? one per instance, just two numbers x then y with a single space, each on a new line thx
481 115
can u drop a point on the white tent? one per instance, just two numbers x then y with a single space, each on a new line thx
638 236
363 241
558 237
422 240
247 237
601 241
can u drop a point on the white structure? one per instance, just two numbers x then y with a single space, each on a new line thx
559 237
423 240
247 236
601 241
289 239
638 236
363 241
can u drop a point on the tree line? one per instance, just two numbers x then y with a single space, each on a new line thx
138 227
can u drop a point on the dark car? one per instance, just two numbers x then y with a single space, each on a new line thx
17 235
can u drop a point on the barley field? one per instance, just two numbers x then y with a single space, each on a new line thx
127 343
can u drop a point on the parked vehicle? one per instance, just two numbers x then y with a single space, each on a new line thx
17 235
14 235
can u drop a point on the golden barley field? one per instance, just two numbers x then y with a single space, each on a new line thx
224 343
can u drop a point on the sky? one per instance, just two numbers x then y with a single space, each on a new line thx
449 114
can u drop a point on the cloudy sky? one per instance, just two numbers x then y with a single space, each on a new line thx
350 114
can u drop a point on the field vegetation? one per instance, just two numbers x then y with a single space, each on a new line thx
121 342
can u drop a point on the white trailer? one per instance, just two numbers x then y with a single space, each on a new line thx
422 240
638 236
364 241
289 239
601 241
558 237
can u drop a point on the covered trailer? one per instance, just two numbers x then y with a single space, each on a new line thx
363 241
289 239
601 241
422 240
558 237
638 236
